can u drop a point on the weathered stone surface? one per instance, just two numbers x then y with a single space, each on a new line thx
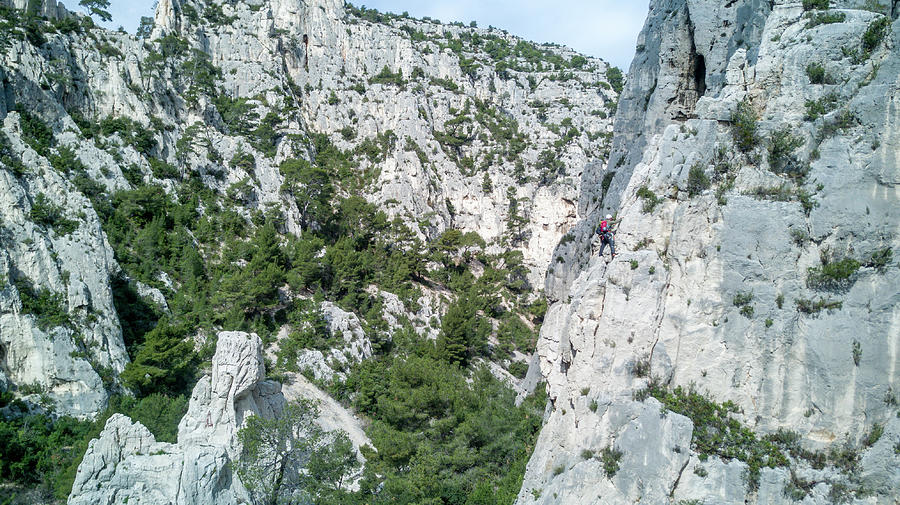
77 267
323 86
127 465
668 299
236 389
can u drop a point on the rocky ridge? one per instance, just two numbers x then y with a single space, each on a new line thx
126 464
466 123
755 161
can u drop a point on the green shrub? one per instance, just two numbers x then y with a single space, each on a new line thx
880 259
698 181
244 161
650 199
807 306
8 158
216 16
641 368
715 431
333 99
824 18
820 107
816 73
609 458
309 330
615 78
162 169
48 308
35 132
874 34
832 275
236 113
815 4
782 144
744 127
419 407
518 369
164 363
782 193
634 264
266 135
807 203
387 77
742 299
50 215
447 84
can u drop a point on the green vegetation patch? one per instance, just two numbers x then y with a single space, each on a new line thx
388 78
821 106
697 181
823 18
816 5
817 74
880 259
832 275
744 127
716 432
440 437
615 78
35 132
48 308
781 147
874 34
650 199
43 453
813 307
50 215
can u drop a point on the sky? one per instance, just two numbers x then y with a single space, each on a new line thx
606 29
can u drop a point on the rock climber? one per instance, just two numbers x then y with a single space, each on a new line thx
604 229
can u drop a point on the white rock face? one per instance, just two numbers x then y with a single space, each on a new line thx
127 465
332 417
416 178
514 125
355 347
669 299
75 267
237 388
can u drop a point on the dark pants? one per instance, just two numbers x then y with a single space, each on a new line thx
607 239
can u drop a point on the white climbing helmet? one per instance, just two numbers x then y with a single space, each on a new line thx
609 216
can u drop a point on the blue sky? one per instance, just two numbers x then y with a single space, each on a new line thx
606 29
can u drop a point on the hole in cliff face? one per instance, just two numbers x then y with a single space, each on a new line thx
692 84
3 367
699 75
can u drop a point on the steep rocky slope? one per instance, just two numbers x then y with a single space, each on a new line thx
753 177
441 126
330 178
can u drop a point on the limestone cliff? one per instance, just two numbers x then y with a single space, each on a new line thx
126 464
454 127
755 160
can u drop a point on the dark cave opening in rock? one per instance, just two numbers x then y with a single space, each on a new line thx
700 74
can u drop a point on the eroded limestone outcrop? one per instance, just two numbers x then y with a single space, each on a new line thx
127 465
719 280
